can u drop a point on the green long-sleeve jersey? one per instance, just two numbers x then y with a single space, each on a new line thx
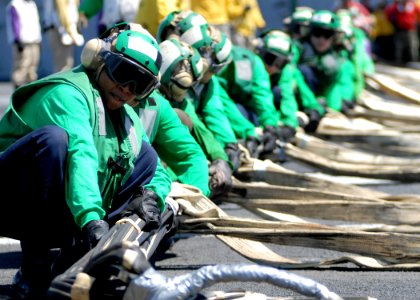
288 104
209 106
71 101
247 82
363 62
204 137
241 126
332 73
305 97
173 142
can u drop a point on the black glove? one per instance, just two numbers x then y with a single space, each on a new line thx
270 135
144 204
347 106
220 181
93 231
19 46
314 119
251 143
286 133
234 154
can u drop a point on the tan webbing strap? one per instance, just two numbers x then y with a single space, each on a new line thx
393 172
246 236
390 86
81 287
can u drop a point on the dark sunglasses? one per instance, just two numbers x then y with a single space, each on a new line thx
295 27
125 72
318 32
274 60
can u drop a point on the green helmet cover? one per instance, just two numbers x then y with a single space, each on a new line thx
141 48
325 19
190 26
277 42
346 22
223 49
165 24
302 15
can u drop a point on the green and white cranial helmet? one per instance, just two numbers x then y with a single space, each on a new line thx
325 19
221 54
188 26
302 15
346 22
182 65
275 41
274 47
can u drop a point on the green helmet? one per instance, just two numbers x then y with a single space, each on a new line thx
182 65
346 22
302 15
324 19
275 48
276 42
221 50
141 48
174 52
129 58
189 26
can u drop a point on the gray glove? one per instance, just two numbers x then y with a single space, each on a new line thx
220 178
286 133
251 143
234 154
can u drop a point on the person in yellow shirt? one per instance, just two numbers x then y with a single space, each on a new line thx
382 33
152 12
219 13
246 26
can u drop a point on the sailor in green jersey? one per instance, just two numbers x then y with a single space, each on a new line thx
274 48
354 41
345 48
75 155
247 82
186 162
323 68
297 26
174 143
193 29
182 66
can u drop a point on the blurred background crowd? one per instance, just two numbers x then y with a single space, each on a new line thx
45 36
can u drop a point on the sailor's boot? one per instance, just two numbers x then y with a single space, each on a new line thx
34 276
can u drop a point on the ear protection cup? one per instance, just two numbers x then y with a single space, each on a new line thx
90 57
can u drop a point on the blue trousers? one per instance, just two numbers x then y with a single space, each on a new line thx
310 77
248 114
32 181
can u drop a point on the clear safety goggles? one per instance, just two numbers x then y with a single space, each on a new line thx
140 81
